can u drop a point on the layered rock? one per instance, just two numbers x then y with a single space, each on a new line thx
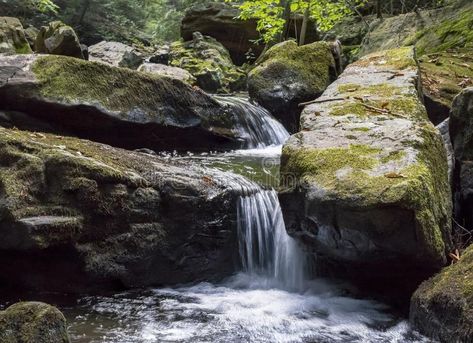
33 322
168 71
442 307
288 75
116 106
12 37
115 54
80 216
461 131
368 177
209 62
58 39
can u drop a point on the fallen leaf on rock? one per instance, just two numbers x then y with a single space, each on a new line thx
394 176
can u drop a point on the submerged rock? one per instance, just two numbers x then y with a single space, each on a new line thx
442 307
461 131
12 37
209 62
33 322
115 54
58 39
168 71
116 106
368 177
80 216
288 75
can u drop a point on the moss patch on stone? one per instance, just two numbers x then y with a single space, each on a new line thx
397 59
445 74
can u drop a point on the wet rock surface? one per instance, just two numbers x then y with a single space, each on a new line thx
80 216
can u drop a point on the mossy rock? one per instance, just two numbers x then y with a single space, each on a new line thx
12 37
209 62
442 307
289 74
368 173
58 39
79 216
431 31
33 322
116 106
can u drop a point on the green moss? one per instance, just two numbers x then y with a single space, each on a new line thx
451 33
361 129
310 64
400 59
23 48
393 156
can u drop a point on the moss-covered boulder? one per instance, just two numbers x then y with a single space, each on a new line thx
461 132
431 31
116 106
289 74
31 33
58 39
367 176
12 37
116 54
209 62
29 322
442 307
445 75
79 216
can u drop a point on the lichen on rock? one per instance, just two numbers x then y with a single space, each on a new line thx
371 172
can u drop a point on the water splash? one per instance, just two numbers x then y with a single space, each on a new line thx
265 247
255 125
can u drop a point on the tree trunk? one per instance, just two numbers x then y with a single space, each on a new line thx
379 12
85 8
287 20
305 23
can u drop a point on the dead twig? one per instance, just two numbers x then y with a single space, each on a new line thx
319 101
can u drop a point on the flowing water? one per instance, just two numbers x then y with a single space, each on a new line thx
270 300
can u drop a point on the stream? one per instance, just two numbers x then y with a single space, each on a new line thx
272 299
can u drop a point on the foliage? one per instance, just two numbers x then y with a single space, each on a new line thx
44 5
270 13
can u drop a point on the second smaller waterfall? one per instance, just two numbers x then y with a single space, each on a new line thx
265 247
256 126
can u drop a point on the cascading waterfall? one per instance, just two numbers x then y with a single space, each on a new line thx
264 245
255 125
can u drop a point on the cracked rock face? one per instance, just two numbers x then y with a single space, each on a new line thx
367 176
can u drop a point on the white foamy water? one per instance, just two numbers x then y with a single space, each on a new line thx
245 308
254 124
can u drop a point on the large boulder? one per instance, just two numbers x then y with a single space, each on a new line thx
168 71
367 177
221 21
430 31
442 307
116 54
209 62
30 322
116 106
288 75
444 75
461 131
80 216
58 39
12 37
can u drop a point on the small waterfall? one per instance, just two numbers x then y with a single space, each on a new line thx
265 247
256 126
